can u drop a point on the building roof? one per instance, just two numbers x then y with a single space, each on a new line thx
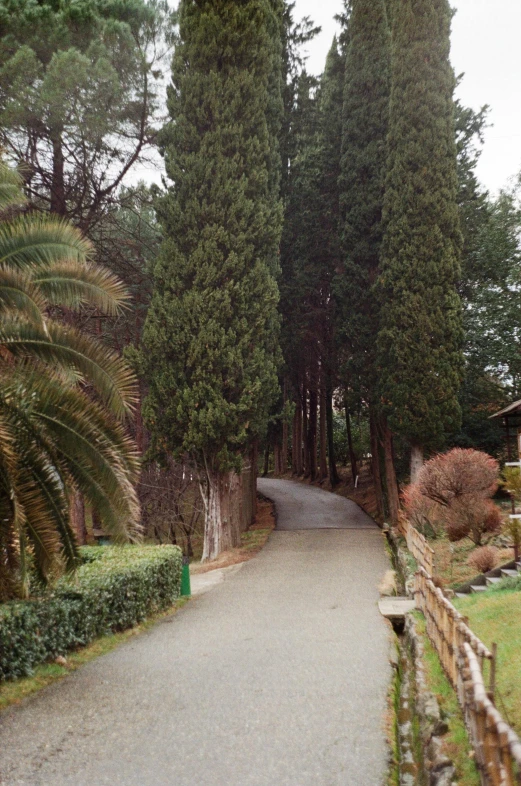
512 409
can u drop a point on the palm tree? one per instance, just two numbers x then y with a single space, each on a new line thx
63 396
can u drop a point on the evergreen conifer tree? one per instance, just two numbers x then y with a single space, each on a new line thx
311 252
420 337
211 338
327 246
298 287
363 169
363 166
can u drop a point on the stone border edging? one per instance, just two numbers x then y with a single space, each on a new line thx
439 768
403 563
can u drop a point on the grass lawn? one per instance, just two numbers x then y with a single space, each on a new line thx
456 742
495 616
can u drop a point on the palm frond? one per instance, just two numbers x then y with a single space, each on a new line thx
106 371
35 240
79 438
71 412
18 295
74 284
46 513
119 513
63 396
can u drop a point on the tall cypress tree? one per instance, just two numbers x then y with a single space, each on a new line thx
420 359
363 169
211 336
328 227
297 281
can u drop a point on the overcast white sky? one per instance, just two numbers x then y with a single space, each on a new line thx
485 46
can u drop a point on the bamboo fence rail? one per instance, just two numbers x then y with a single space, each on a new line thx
447 628
462 655
417 545
497 747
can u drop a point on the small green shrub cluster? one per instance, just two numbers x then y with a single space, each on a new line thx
509 583
115 588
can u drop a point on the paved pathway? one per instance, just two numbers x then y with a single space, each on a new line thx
275 677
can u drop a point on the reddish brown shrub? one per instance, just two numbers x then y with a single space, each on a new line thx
471 517
458 473
460 484
420 510
483 559
493 520
456 530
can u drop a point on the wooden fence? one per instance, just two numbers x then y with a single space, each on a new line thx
463 656
417 545
447 628
497 747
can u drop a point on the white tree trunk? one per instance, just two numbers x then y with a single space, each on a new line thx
416 461
221 520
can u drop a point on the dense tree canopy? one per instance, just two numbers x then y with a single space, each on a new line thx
354 194
420 360
79 97
211 334
363 167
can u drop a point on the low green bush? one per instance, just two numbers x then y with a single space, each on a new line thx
115 588
512 583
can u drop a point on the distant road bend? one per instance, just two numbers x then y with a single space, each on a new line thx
276 677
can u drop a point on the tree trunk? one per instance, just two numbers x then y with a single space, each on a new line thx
376 470
245 497
312 434
393 495
277 458
416 461
352 456
296 458
266 460
304 435
284 457
254 475
231 489
221 531
77 517
58 204
323 434
140 431
333 473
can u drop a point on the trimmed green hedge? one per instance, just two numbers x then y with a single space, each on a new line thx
115 588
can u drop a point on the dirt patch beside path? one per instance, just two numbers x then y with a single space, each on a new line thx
252 541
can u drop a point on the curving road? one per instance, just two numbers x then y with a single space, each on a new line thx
306 507
275 677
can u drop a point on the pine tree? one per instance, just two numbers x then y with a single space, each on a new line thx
212 353
420 337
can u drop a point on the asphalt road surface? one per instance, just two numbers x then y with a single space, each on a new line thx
276 677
